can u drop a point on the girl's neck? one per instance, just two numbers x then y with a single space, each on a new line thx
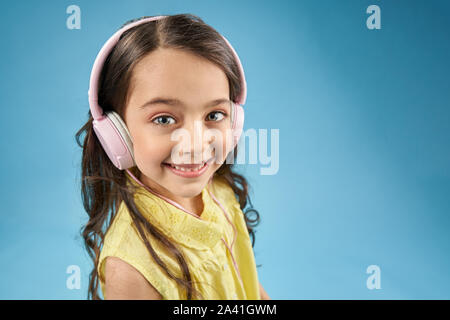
194 205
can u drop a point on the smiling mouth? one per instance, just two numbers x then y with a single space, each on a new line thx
188 167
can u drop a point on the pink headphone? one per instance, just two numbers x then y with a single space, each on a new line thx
115 137
111 129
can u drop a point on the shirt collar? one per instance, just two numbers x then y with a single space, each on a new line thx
199 233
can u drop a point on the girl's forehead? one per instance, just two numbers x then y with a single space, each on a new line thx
169 68
178 83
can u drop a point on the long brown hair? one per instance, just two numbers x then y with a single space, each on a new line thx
103 186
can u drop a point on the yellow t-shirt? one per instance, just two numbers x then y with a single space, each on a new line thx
216 273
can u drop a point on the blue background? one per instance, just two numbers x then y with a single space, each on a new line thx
364 120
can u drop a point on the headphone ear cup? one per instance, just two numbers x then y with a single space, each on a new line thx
238 122
123 130
115 140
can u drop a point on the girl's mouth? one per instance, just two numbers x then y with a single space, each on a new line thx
189 171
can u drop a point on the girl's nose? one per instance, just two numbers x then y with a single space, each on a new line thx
199 142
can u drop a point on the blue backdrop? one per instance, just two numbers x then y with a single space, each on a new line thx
364 127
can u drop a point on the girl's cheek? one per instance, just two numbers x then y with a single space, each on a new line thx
148 146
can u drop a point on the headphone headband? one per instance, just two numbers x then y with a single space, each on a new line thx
96 110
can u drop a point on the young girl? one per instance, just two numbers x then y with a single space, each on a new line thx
160 228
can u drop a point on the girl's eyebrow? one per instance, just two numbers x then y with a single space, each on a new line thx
177 102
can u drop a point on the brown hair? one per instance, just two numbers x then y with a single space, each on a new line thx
103 186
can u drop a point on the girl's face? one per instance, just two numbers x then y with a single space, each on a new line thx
194 83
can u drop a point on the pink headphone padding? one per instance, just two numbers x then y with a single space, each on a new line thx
238 124
113 143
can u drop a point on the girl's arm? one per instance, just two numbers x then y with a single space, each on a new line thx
263 293
123 282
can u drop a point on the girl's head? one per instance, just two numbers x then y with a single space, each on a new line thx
179 58
175 100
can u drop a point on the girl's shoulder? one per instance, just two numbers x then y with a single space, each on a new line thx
118 227
122 240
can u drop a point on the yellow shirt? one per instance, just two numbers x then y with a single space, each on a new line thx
201 240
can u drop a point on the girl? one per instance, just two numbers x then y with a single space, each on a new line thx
164 229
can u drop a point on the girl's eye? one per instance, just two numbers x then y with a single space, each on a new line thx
164 119
164 122
217 112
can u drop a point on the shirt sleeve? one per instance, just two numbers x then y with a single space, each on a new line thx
127 245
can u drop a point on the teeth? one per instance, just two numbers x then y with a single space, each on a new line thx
186 169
